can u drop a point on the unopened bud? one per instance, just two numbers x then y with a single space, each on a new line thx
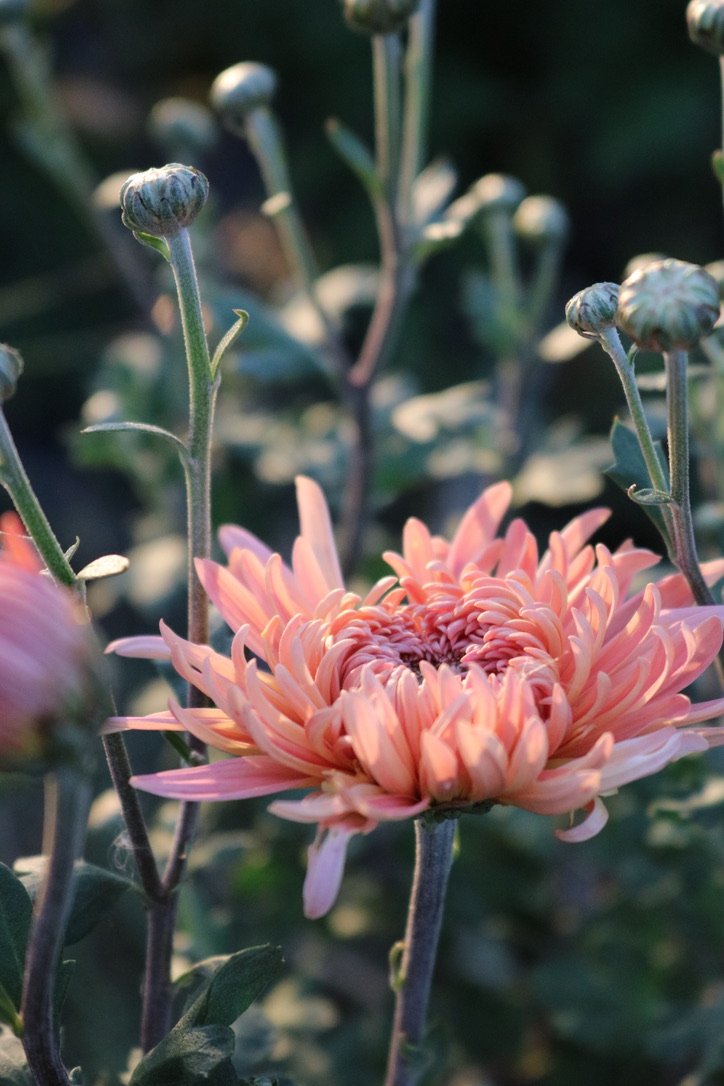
668 305
11 366
497 192
593 310
705 20
239 90
181 122
378 16
541 219
163 201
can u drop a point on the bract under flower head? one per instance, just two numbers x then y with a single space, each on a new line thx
46 651
479 673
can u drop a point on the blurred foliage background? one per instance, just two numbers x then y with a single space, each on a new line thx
559 964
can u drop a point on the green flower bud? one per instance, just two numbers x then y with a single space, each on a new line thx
163 201
540 220
11 366
378 16
175 122
241 89
593 310
705 20
497 192
668 304
12 11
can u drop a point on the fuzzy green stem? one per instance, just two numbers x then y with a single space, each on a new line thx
68 795
613 347
678 442
156 1012
15 480
418 84
386 85
265 140
433 860
718 171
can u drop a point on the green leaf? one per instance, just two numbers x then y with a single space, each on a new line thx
226 341
137 427
234 985
109 565
629 469
355 154
16 910
14 1069
189 1057
159 245
95 890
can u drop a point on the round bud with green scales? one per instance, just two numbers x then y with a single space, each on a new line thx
705 20
593 310
164 201
668 305
239 90
11 366
378 16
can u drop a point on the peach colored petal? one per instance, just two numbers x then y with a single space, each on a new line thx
325 867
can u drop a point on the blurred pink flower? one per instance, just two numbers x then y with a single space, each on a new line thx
44 648
480 672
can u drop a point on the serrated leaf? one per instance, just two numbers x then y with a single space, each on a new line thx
159 245
629 469
14 1069
16 910
137 427
356 155
226 341
109 565
189 1057
95 890
235 984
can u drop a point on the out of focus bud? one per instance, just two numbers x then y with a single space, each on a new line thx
705 20
164 201
183 126
239 90
11 11
378 16
593 310
49 659
497 192
11 366
669 304
540 220
641 260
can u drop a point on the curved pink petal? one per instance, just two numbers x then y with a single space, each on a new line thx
325 867
234 778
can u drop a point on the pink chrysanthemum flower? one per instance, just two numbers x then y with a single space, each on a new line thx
479 673
45 649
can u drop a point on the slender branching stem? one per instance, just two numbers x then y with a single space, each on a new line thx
416 106
67 797
434 851
678 442
386 85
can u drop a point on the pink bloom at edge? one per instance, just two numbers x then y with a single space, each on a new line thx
478 672
45 648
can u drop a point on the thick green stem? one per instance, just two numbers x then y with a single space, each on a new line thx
678 442
416 108
433 860
15 480
67 795
611 343
156 1014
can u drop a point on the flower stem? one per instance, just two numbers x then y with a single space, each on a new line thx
15 480
156 1012
678 440
68 795
434 850
386 84
418 82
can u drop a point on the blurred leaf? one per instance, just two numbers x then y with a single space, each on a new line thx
95 891
236 982
110 565
16 910
432 190
356 155
189 1057
14 1070
629 468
